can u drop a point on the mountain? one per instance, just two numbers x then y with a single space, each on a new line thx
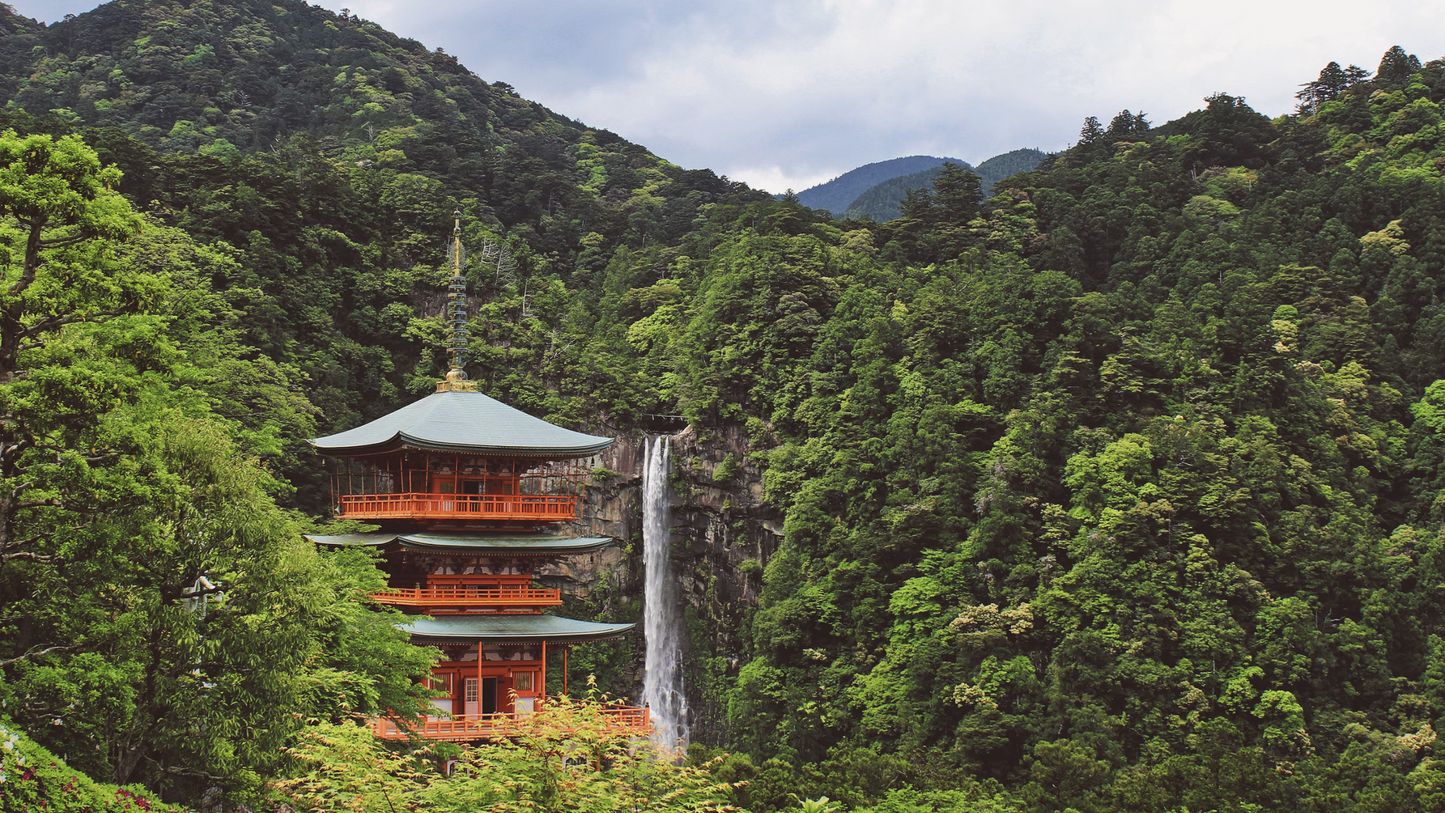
880 202
1122 489
236 78
271 125
1007 164
835 195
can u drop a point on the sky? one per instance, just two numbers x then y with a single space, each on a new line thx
790 93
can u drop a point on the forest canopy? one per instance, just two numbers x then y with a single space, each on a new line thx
1120 487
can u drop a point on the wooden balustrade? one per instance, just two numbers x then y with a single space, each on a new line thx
472 595
631 720
547 508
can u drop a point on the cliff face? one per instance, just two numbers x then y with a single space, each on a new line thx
722 535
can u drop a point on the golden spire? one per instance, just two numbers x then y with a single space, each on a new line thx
456 319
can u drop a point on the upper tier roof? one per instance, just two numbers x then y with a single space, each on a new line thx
467 422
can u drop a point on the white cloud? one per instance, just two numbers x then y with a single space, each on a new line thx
780 93
779 180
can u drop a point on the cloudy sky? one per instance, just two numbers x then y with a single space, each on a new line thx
790 93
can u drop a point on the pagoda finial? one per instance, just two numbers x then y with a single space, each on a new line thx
456 318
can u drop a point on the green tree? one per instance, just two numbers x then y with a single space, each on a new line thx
164 621
566 758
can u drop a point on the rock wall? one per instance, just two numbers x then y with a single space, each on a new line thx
722 536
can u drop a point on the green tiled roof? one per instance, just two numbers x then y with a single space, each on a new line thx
466 422
541 544
514 628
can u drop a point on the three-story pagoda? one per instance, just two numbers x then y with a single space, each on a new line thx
468 493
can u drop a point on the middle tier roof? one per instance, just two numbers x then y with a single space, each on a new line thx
533 544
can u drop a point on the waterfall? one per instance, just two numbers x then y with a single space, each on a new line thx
661 619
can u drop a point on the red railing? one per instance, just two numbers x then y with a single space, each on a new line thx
621 719
459 506
471 595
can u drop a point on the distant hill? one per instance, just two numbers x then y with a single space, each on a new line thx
1013 162
837 194
880 201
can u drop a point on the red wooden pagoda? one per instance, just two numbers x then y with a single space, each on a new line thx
468 492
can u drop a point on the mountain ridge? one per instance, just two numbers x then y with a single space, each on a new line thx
837 194
880 202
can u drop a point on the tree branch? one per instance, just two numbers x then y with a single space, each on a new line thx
30 556
29 539
28 335
61 242
33 653
32 257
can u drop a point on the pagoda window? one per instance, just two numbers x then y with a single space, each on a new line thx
442 682
522 681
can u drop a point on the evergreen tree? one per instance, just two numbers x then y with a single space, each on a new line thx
1396 66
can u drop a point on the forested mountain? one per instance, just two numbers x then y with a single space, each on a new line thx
1006 164
835 195
330 154
881 201
1119 489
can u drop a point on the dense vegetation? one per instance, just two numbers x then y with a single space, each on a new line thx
882 201
565 760
358 146
1120 489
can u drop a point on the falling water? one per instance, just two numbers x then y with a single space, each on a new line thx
662 684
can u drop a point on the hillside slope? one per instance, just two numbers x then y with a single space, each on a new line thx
835 195
880 202
332 153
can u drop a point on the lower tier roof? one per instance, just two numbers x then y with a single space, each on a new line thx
513 628
539 544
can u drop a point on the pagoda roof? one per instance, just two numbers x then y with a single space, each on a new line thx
513 628
538 544
465 422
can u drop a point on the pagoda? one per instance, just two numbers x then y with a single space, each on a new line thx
469 494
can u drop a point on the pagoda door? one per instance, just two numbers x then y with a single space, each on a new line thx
489 695
471 698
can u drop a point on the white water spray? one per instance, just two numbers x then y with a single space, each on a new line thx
662 683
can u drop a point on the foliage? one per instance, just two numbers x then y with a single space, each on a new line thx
565 758
163 620
31 778
1121 489
1121 479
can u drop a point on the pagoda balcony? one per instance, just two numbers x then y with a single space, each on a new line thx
534 508
453 597
625 720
